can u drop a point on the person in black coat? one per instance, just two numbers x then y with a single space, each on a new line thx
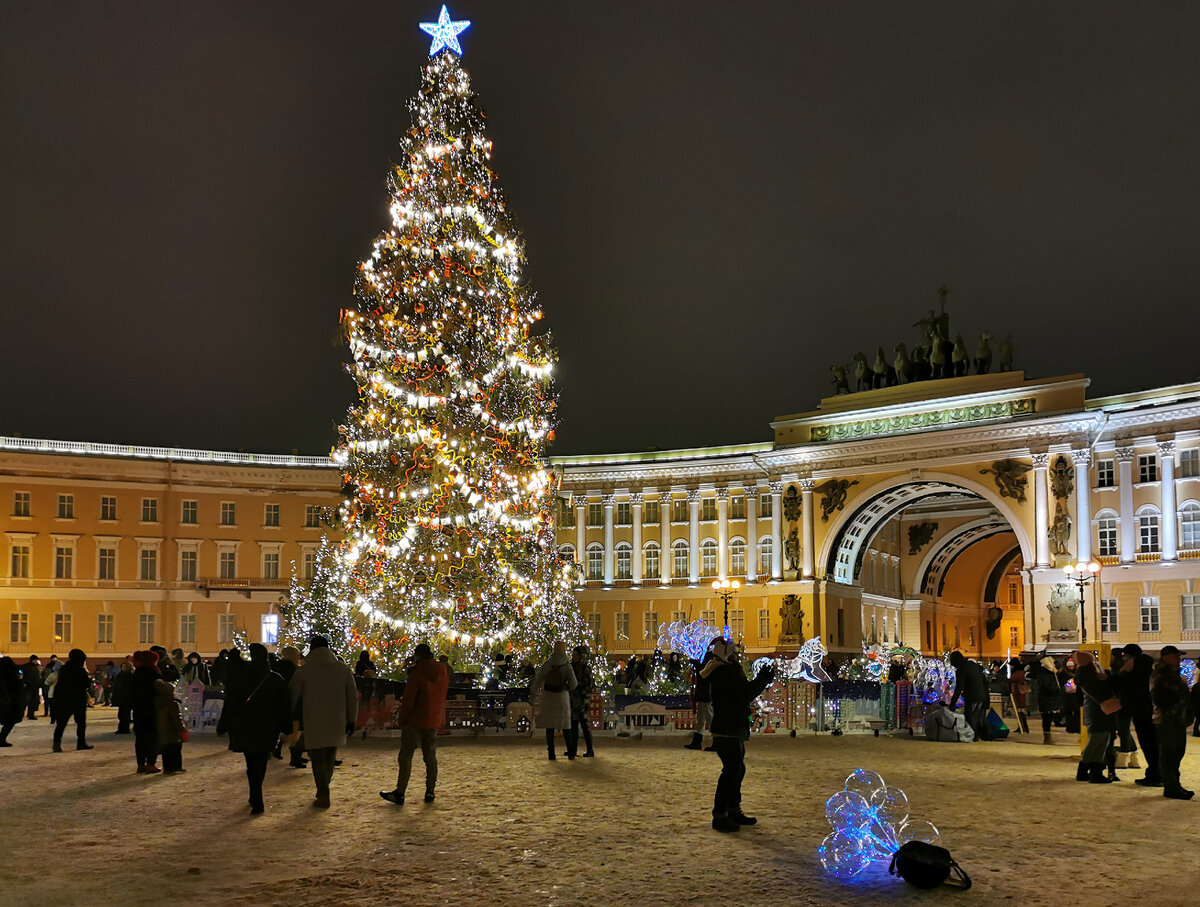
122 696
1134 686
71 699
12 698
255 722
970 682
143 709
31 675
170 673
1049 683
732 695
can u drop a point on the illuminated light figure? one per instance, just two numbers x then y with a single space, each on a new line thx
690 639
869 822
445 33
807 664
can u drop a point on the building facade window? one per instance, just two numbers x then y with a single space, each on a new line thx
106 563
228 513
190 513
596 626
709 617
737 507
20 503
1189 463
708 558
187 566
1191 612
1147 468
679 558
1189 524
708 508
145 629
62 627
1105 474
624 560
650 563
66 506
271 516
737 625
1106 534
270 565
566 514
149 510
64 562
226 627
650 512
1147 530
766 548
18 627
148 565
737 557
650 626
595 514
228 564
312 516
622 625
679 511
624 514
187 629
595 561
108 507
20 561
309 567
104 629
765 505
269 628
764 623
1149 614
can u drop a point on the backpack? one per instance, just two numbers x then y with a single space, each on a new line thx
928 866
945 726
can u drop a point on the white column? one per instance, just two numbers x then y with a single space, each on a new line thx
776 529
610 501
1170 539
722 533
1083 505
666 559
581 535
806 528
751 533
1041 512
1128 520
693 497
635 504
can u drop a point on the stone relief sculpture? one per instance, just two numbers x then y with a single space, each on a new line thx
791 504
1062 477
1011 478
791 547
919 536
1064 609
833 494
1060 530
983 354
840 384
792 617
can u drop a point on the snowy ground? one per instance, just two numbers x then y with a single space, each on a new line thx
630 827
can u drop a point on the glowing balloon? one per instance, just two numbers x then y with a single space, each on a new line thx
864 783
881 840
847 811
890 805
843 855
918 830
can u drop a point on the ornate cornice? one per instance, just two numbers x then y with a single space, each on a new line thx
1124 454
722 493
635 498
1166 448
693 495
1081 456
776 486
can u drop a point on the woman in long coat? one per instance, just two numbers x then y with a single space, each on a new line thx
12 698
556 680
256 721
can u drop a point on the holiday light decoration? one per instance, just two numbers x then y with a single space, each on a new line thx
448 506
688 639
870 822
807 663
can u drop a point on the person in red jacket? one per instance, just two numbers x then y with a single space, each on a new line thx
422 711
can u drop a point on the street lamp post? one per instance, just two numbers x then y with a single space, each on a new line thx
1081 574
727 589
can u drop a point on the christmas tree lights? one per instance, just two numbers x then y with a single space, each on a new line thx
448 506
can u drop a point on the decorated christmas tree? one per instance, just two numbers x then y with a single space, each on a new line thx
314 605
448 511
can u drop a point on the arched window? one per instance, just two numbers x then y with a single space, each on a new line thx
567 552
1189 518
1106 533
708 558
679 556
650 562
765 550
595 561
737 557
1147 518
624 560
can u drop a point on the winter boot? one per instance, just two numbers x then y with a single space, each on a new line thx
1096 774
697 742
1081 773
1112 771
84 745
57 748
1046 740
724 823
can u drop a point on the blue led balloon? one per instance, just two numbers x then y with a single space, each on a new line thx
847 810
445 33
843 855
870 822
864 783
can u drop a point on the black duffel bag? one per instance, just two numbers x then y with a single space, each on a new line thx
928 866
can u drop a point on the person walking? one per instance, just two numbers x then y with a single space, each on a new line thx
144 712
71 699
581 697
1126 746
556 680
170 728
1099 717
289 660
12 698
258 720
1172 715
732 695
421 714
122 695
1048 681
1135 699
325 705
971 683
48 681
31 675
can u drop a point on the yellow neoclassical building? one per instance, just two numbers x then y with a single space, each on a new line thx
939 513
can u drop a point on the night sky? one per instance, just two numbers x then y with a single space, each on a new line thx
719 200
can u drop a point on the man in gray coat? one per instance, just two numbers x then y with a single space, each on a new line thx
325 704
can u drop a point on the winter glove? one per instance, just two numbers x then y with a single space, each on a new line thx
767 672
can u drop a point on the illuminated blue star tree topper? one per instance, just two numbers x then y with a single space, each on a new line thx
445 33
